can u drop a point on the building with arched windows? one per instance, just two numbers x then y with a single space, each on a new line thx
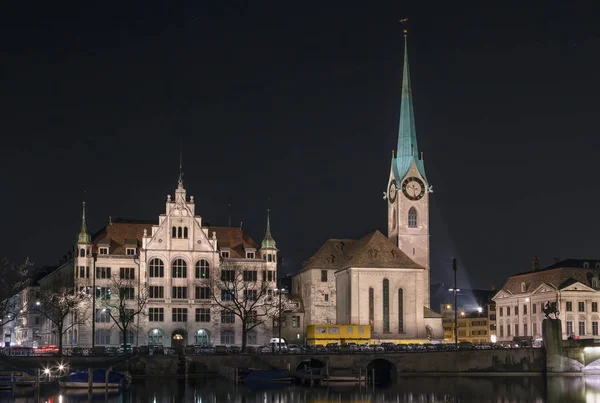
377 280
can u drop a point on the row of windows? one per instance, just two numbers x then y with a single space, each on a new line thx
104 250
201 315
179 232
568 308
105 272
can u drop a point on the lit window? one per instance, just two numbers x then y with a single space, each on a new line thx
103 251
130 251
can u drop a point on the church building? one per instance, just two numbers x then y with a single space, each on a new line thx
377 280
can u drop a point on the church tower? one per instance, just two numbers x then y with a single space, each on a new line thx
407 188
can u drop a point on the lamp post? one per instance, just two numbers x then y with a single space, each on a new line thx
94 257
455 290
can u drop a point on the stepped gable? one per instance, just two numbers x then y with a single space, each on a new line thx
558 275
235 239
374 250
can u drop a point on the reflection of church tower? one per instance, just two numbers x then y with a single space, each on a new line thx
408 188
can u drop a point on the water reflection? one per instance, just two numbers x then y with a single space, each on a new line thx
413 390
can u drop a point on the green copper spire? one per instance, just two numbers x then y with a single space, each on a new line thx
408 151
268 242
84 236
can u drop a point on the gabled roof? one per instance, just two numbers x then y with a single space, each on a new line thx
374 250
558 275
235 239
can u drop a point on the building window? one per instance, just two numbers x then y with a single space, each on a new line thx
202 269
185 232
130 337
227 316
250 275
126 293
501 330
326 297
156 314
534 308
323 275
102 272
226 295
179 232
412 217
400 310
103 251
594 328
334 330
524 329
102 336
541 307
582 328
386 305
594 307
156 291
179 314
202 314
179 293
581 306
202 293
524 309
252 337
296 321
534 329
82 252
83 272
227 337
179 268
253 318
227 275
517 310
569 328
501 311
249 255
371 307
250 295
127 273
157 268
225 253
569 306
508 311
102 316
103 292
130 251
507 330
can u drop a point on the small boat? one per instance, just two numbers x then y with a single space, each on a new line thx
267 375
100 379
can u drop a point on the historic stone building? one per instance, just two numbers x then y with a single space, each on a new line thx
378 280
573 283
175 264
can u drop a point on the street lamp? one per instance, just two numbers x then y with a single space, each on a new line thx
280 291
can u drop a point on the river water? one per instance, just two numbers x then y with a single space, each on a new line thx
497 389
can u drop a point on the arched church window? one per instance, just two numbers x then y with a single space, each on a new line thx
386 305
157 268
185 232
371 307
81 252
174 232
179 268
202 269
269 258
400 310
412 218
179 232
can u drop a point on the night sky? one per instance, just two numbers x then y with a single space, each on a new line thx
295 106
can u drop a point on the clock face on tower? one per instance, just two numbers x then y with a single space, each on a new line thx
413 188
392 191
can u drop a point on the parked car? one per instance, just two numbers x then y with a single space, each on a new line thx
293 349
221 350
110 351
234 349
125 349
265 349
207 349
156 350
77 352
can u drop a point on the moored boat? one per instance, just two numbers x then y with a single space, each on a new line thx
8 379
101 378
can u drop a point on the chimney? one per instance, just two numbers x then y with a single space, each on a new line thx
535 263
109 220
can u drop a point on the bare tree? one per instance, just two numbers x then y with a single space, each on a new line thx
239 292
14 279
123 304
64 309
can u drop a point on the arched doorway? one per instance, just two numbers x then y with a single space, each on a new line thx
155 337
202 337
383 371
178 339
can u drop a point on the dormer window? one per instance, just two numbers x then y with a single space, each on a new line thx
586 265
130 251
594 282
103 251
224 253
523 287
249 255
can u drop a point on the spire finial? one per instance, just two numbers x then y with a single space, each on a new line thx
180 181
84 236
268 242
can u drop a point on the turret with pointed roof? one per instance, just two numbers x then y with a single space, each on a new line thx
407 151
84 235
268 242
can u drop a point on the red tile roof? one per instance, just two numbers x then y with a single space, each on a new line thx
234 238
